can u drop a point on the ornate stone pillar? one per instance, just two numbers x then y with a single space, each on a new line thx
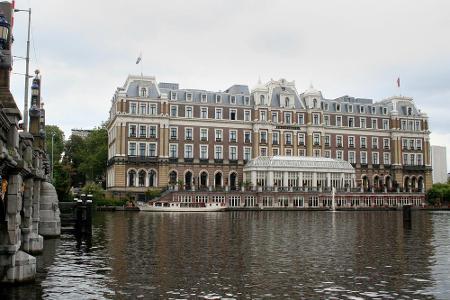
314 180
253 178
270 178
17 265
285 178
328 180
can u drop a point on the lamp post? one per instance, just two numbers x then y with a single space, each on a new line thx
53 137
27 67
4 32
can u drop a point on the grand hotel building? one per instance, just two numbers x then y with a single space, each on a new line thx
161 135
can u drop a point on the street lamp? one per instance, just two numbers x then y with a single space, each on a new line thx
53 137
27 67
4 32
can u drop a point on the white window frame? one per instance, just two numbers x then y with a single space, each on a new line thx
247 115
202 138
202 110
218 110
192 151
176 150
186 111
230 153
201 153
215 151
176 107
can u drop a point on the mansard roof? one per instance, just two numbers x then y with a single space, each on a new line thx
275 91
299 163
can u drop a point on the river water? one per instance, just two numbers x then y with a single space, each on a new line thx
248 255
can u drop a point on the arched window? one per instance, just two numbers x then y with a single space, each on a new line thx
409 111
143 92
173 177
203 179
286 102
131 178
218 179
141 180
152 178
262 99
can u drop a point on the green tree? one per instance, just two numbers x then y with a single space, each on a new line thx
439 194
75 150
58 142
95 156
61 175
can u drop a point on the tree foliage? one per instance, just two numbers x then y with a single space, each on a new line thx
439 194
80 160
58 141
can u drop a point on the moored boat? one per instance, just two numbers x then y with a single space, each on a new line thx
181 206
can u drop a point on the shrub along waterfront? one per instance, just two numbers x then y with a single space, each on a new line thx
439 194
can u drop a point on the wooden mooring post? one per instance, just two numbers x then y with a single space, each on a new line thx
77 215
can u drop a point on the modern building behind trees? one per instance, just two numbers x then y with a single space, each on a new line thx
439 163
161 135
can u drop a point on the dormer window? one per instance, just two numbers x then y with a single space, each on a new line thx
350 108
262 99
373 110
218 99
247 100
286 102
314 103
361 109
143 92
385 110
188 96
326 106
173 96
204 98
233 100
409 111
338 107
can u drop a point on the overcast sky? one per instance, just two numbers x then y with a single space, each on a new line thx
85 49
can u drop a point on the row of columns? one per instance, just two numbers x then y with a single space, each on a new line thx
270 179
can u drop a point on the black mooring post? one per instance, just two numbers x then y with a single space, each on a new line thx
407 215
79 216
89 214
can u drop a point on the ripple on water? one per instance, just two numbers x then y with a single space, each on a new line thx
252 255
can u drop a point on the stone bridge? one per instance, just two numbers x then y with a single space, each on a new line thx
28 202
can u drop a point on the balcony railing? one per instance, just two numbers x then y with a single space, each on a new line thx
218 139
142 159
233 140
247 141
188 159
218 160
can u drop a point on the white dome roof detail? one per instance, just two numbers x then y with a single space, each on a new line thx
311 91
300 163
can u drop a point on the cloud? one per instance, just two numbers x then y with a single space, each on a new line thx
85 49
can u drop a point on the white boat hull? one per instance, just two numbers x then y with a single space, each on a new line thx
179 208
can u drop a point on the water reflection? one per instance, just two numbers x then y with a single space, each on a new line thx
350 255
